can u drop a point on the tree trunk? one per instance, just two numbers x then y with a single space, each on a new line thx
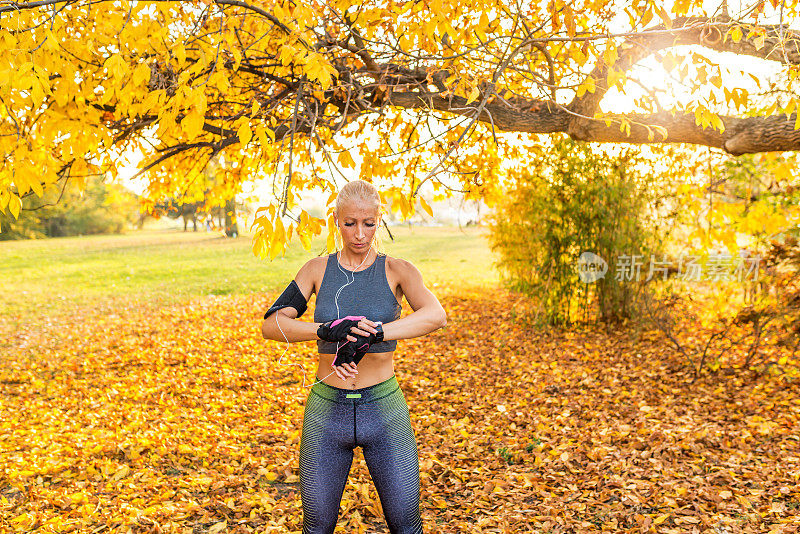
231 230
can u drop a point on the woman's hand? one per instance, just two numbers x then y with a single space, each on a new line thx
346 370
356 346
337 329
365 327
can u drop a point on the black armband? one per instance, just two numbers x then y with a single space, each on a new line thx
291 297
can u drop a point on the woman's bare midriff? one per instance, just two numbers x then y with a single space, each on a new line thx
374 368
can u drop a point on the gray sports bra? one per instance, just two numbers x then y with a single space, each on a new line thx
369 295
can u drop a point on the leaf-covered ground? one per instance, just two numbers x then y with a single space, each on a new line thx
179 419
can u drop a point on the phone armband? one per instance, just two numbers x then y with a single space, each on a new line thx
291 297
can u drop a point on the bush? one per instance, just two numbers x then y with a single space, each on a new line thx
570 199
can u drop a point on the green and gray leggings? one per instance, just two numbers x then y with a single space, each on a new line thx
376 419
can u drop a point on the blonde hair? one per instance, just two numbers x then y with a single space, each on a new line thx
361 190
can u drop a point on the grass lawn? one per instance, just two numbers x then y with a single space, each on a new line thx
165 267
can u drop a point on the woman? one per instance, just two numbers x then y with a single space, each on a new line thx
356 326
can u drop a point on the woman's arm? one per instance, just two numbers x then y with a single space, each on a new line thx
428 313
293 328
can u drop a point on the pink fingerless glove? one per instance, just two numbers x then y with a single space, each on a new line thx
338 329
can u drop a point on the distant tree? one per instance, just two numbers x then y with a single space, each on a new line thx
205 198
174 209
203 211
64 210
231 228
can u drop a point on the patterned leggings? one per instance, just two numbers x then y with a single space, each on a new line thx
375 418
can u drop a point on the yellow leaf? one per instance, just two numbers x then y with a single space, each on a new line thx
218 527
425 206
244 133
331 241
305 240
439 503
121 473
736 34
14 204
180 53
77 497
483 25
660 519
743 501
37 94
264 135
51 43
587 85
36 186
20 518
664 16
610 56
662 131
625 126
647 16
274 249
141 75
716 122
790 106
116 66
192 124
614 76
473 95
346 160
569 21
405 207
280 231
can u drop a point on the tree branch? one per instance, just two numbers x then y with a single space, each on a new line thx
741 135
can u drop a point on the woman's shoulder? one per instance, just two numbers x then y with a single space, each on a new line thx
398 265
315 264
311 273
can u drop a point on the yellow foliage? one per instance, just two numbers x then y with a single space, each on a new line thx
81 86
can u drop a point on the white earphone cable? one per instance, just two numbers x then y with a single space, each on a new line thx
336 301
